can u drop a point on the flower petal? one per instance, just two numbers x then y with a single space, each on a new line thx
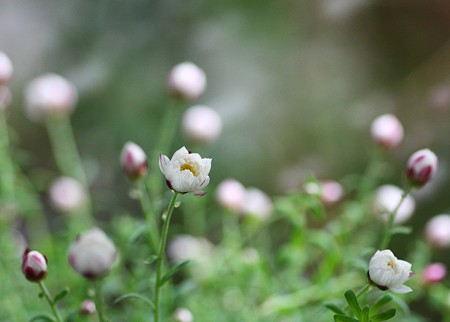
180 153
400 288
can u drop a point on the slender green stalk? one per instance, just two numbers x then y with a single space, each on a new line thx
388 230
99 302
152 220
162 247
6 168
50 301
363 290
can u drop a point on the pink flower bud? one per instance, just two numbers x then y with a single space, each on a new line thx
201 124
231 194
6 68
34 265
421 167
87 307
257 204
387 131
187 81
386 200
134 161
329 191
434 273
437 231
49 94
67 194
183 315
5 97
92 254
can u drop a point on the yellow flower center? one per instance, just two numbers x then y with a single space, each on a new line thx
391 264
190 167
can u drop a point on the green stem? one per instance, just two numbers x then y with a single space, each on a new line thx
99 302
149 213
363 290
50 301
7 169
390 223
162 247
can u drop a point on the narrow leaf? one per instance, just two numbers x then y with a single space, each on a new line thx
382 301
389 314
334 308
136 296
61 295
344 318
401 230
151 260
42 317
353 302
365 314
173 271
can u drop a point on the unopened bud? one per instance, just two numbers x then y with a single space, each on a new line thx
183 315
386 199
187 81
201 124
231 194
387 131
257 204
6 68
329 191
421 167
134 161
434 273
67 194
34 265
87 307
437 231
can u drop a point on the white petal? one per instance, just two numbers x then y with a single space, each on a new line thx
400 288
163 162
181 153
206 163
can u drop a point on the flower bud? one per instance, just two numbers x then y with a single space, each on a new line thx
329 191
87 307
201 124
6 68
183 315
257 204
386 200
134 161
5 97
92 254
67 194
34 265
421 167
231 194
187 81
434 273
49 94
387 131
437 231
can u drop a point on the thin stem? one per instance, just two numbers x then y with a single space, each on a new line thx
363 290
99 301
7 169
390 223
50 301
162 246
149 213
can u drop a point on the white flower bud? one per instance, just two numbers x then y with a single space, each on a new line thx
34 265
92 254
387 272
421 167
387 131
437 230
88 307
386 200
201 124
186 172
186 247
183 315
329 191
6 68
134 161
67 194
231 194
49 94
187 81
257 204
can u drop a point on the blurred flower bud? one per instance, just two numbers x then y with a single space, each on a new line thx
87 307
183 315
49 94
386 200
231 194
387 131
5 97
34 265
257 204
250 256
187 81
329 191
6 68
437 231
434 273
92 254
186 247
67 194
201 124
421 167
134 161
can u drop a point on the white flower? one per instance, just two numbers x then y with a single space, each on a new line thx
421 167
92 254
387 131
201 124
67 194
387 272
186 172
387 198
187 80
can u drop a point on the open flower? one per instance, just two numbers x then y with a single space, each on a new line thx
387 272
34 265
186 172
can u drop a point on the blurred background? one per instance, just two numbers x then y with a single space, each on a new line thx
297 84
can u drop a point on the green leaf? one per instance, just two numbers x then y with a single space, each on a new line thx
61 295
173 271
138 233
344 318
136 296
42 317
353 302
365 314
382 301
401 230
151 260
389 314
334 308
